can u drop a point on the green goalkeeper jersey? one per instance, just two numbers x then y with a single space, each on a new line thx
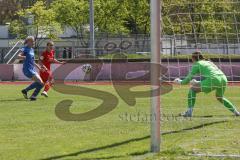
206 69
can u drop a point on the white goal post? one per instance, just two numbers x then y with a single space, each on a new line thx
155 74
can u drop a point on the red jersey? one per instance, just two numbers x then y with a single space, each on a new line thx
46 58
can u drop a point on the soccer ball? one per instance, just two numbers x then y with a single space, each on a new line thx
87 68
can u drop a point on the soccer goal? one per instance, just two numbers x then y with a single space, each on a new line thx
178 29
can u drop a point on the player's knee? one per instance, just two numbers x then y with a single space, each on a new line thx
39 79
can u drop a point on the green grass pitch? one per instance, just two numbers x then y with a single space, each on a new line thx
31 131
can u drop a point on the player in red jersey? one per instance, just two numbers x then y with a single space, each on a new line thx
46 59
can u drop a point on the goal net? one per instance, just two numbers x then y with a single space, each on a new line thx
212 27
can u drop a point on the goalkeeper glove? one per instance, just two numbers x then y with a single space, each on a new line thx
194 82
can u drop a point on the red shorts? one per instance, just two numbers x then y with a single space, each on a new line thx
46 76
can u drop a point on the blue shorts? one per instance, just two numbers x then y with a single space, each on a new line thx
29 73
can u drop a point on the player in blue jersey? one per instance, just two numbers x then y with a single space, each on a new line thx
27 55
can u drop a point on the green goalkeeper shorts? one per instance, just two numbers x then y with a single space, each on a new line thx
217 83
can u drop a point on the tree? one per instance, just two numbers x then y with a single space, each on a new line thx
8 9
197 19
73 14
43 23
138 16
17 27
110 16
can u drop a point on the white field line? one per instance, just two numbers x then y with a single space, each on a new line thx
217 155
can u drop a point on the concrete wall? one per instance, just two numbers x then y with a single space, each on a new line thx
120 71
6 72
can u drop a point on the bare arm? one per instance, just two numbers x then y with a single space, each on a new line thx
37 66
21 56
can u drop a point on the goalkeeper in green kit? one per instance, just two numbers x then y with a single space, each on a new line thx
213 80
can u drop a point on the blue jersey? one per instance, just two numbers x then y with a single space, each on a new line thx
29 63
